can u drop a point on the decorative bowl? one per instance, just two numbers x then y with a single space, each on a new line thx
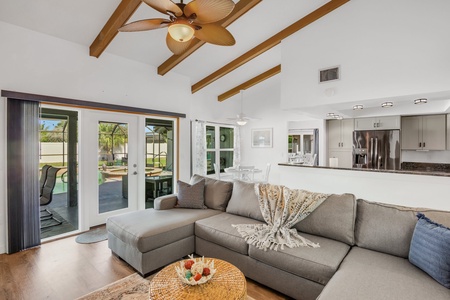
195 271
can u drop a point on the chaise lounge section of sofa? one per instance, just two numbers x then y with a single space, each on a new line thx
363 252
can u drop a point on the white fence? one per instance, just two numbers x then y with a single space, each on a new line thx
53 152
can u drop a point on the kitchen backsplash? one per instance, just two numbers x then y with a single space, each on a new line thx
419 166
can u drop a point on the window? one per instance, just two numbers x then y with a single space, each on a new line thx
219 147
301 141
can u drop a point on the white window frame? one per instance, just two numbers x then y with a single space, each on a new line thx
217 148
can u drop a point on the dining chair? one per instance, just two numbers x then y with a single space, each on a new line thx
219 176
265 176
309 159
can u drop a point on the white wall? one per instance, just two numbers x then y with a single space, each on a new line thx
399 189
263 102
385 49
35 63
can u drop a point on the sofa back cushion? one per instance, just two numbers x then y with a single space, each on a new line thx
389 228
244 201
217 192
334 219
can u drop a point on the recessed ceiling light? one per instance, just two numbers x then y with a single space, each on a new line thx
387 104
338 117
420 101
331 114
358 107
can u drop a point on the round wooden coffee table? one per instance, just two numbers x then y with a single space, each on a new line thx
227 283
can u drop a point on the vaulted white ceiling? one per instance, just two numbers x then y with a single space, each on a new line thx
81 21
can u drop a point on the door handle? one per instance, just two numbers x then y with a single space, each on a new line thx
424 144
420 145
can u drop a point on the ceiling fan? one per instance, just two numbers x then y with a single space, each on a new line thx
188 20
241 118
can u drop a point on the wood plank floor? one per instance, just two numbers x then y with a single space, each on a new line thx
64 269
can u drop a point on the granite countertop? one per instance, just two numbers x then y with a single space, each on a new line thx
428 170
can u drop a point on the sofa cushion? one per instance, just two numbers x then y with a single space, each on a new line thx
389 228
430 249
371 275
218 230
217 192
334 219
150 229
191 196
244 201
315 264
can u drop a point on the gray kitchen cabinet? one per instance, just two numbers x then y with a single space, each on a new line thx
424 132
378 123
340 134
344 157
340 141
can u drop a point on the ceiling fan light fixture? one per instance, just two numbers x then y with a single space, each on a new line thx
181 31
241 122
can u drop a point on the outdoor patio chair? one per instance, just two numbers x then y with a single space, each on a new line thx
43 177
47 195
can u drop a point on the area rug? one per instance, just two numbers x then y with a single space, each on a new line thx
92 236
132 287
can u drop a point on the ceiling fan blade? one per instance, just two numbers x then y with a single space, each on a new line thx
145 25
164 5
215 34
176 47
209 11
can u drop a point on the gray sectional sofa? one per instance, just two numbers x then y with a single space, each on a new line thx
363 250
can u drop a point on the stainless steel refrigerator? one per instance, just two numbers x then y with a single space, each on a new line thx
376 149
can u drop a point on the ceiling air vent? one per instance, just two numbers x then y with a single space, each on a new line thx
329 74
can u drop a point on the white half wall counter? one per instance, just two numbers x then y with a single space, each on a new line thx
394 188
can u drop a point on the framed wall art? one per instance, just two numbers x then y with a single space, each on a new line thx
262 138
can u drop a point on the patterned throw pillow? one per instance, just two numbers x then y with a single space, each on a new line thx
430 249
191 196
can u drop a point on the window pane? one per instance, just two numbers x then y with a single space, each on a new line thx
112 162
210 137
294 144
210 160
226 159
226 138
307 143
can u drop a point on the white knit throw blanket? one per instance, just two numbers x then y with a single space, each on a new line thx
281 208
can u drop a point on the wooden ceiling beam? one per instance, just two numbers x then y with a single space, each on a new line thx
249 83
269 43
120 16
242 7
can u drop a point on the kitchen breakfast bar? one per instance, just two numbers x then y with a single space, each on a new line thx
401 187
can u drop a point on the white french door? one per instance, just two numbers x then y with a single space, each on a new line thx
110 165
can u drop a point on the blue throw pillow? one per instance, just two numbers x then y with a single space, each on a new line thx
430 249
